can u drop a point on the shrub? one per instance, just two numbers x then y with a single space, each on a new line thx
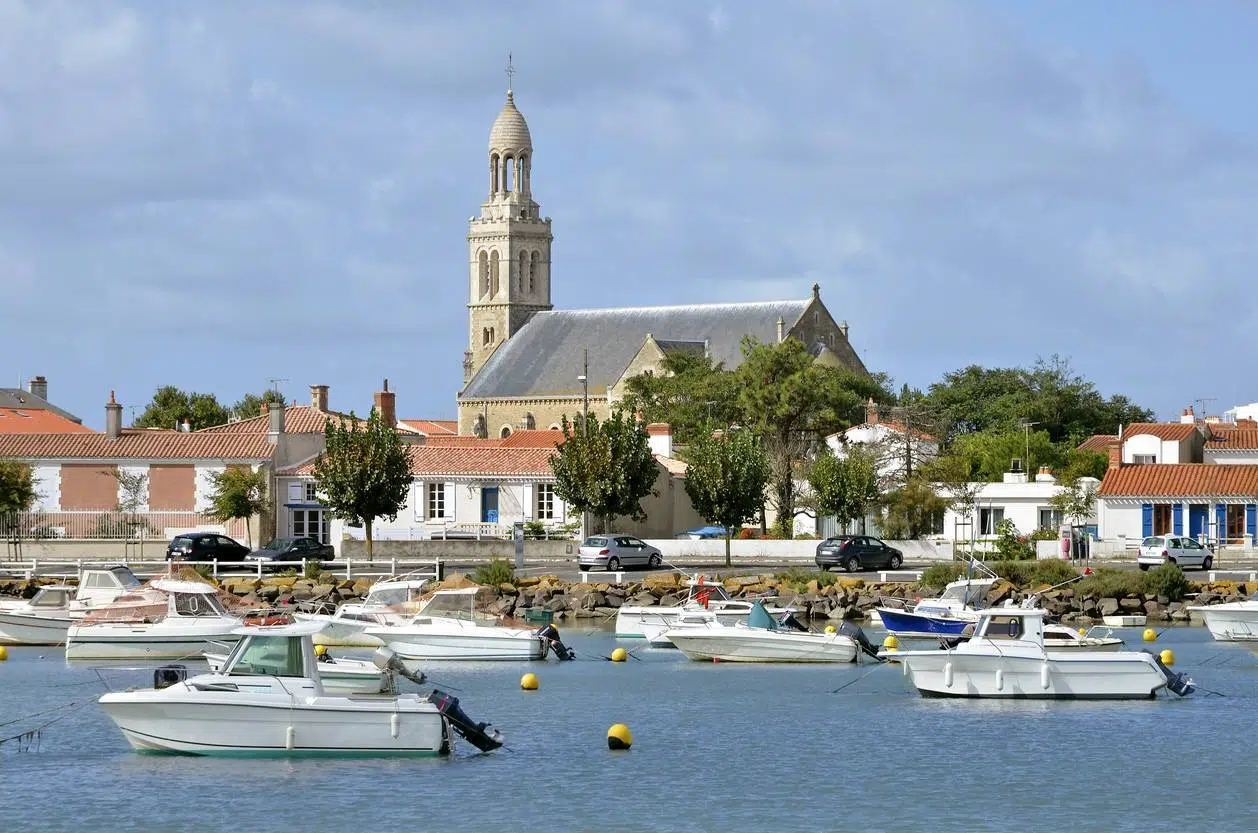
797 578
1011 544
1034 573
534 529
1043 534
938 575
312 569
1108 582
498 571
1167 580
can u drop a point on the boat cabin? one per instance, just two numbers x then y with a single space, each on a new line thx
395 594
958 595
1010 624
281 651
52 597
453 604
705 593
161 599
102 586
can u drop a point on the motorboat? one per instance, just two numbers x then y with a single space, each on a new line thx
1008 658
448 627
946 616
164 619
269 699
1231 621
1059 637
761 638
340 675
45 617
635 621
388 602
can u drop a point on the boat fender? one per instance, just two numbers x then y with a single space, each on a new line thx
1044 676
394 724
1000 679
290 737
948 674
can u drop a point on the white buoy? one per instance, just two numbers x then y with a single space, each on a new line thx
1044 676
948 674
290 738
1000 679
394 723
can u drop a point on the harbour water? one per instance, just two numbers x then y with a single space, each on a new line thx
717 747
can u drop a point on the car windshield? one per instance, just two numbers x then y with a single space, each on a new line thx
595 542
182 542
279 543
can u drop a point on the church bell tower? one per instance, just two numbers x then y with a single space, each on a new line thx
508 244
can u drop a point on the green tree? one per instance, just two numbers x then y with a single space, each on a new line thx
17 493
844 486
605 468
912 511
792 402
1079 463
239 492
171 407
690 393
1076 502
725 479
988 454
363 472
250 405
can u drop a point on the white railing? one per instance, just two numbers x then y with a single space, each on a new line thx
460 531
346 567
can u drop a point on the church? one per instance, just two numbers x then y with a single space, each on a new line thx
528 365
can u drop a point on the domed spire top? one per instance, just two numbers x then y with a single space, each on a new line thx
510 131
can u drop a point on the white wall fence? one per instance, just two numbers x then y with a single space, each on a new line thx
103 525
342 568
456 532
915 552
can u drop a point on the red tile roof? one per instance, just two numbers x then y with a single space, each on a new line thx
533 439
1234 439
1098 442
464 441
430 427
298 419
1181 480
1171 431
38 421
430 459
170 445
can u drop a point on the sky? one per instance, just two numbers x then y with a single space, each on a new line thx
219 195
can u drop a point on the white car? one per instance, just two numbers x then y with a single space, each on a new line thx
1173 549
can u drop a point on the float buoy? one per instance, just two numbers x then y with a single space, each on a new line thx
891 642
320 650
1082 632
4 653
1168 657
619 737
619 655
1150 634
831 629
529 682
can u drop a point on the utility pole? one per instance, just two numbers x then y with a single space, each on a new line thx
1026 432
584 379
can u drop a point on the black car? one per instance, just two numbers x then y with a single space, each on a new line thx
293 549
205 546
857 552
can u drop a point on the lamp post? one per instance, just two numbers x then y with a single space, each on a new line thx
584 379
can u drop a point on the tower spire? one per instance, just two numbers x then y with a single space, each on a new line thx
510 75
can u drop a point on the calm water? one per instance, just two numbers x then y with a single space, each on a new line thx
716 748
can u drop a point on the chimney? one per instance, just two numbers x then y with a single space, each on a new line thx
39 387
871 412
1016 473
660 438
113 418
1115 455
275 422
1189 418
843 328
386 405
781 330
263 411
186 427
1045 475
319 397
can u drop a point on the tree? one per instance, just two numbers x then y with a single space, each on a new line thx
363 472
988 454
949 478
250 405
171 407
1081 463
17 493
844 486
792 402
725 479
1076 502
912 510
690 393
239 492
605 468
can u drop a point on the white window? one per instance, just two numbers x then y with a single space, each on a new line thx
545 502
1049 518
1144 459
294 492
989 517
310 493
436 499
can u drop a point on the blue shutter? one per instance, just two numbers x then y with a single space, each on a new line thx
1146 519
1177 518
1251 520
1220 522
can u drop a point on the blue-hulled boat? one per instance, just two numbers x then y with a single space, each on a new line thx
945 616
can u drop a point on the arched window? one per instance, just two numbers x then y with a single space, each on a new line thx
524 268
493 173
524 173
478 427
493 274
484 337
508 174
483 265
505 432
529 422
534 265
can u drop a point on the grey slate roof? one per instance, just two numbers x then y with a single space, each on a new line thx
544 357
19 398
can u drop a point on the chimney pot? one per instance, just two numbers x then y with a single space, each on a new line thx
386 405
39 387
275 421
113 418
319 397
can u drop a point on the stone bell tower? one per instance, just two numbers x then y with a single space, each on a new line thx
508 244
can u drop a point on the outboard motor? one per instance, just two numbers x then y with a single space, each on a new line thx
169 675
858 635
1177 682
550 633
788 620
386 660
479 735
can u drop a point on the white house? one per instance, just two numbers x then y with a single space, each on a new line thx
1019 499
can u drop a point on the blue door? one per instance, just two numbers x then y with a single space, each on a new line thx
1177 519
489 505
1198 520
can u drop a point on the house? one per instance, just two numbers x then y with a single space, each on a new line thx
1022 500
28 411
1206 501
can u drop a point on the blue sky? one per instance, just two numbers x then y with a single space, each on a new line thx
213 195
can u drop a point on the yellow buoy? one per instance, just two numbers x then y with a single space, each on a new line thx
1150 634
4 653
620 655
1083 632
529 682
831 629
1168 657
320 650
891 642
619 737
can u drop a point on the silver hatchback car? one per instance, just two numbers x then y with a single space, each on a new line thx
614 551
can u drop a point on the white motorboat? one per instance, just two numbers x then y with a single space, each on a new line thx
759 639
1065 638
448 627
636 621
45 618
269 699
340 675
165 619
388 602
1232 621
946 616
1007 658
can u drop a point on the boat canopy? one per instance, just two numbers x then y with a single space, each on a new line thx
163 597
760 618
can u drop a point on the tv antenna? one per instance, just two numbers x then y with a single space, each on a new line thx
1203 402
275 384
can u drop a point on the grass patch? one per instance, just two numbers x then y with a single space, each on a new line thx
1022 573
1106 582
798 579
498 571
938 575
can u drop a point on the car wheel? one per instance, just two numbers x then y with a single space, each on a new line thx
853 564
585 568
613 564
895 561
1144 568
1207 562
653 561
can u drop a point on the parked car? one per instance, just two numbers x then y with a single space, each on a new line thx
613 551
292 549
702 533
1173 549
205 546
857 552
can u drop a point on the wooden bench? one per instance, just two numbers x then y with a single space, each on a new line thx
911 575
619 576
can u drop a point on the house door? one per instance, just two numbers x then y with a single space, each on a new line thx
1198 520
489 505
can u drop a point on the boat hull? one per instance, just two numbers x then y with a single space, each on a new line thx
446 646
1060 676
635 622
739 644
1233 621
218 723
114 641
340 633
24 629
910 625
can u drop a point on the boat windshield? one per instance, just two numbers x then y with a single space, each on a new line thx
198 604
125 577
50 597
967 594
276 656
455 606
389 596
1002 627
712 592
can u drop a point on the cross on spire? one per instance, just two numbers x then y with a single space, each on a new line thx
510 72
